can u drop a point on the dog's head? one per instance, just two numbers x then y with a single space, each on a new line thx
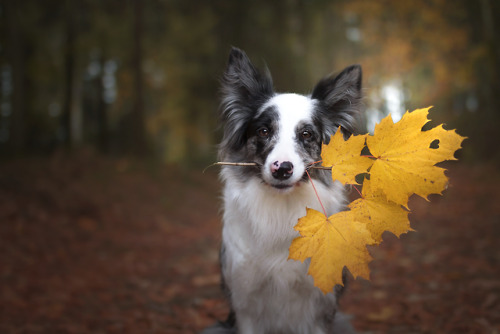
282 133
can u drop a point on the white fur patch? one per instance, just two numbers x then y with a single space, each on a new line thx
292 109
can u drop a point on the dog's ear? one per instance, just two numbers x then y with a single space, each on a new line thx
340 99
244 91
243 86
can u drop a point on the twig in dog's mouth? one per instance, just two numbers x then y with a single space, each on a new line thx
320 167
254 164
220 163
226 163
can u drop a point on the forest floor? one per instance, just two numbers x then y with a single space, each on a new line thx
95 245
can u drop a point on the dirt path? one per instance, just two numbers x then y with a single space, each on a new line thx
105 246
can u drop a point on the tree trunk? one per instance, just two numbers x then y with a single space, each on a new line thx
490 40
138 127
68 110
16 56
102 110
76 112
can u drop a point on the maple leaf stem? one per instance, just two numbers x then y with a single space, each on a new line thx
359 192
316 192
315 162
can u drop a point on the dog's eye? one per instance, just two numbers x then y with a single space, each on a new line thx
263 132
306 134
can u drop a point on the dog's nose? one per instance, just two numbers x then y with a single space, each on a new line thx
282 170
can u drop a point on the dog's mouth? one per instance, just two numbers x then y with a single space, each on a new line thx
287 186
282 186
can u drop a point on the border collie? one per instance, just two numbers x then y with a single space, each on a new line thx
282 134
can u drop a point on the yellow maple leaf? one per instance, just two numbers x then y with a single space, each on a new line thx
344 157
332 243
379 214
405 161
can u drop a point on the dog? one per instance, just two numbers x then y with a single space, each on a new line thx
282 135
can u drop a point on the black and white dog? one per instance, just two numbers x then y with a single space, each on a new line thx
282 134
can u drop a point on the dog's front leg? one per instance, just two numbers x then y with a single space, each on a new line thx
248 325
245 325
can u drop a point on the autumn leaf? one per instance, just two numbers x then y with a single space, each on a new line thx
332 243
378 214
405 161
402 163
344 156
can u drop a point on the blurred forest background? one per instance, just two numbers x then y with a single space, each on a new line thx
108 115
141 77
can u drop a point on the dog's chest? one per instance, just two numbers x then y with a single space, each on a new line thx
258 230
